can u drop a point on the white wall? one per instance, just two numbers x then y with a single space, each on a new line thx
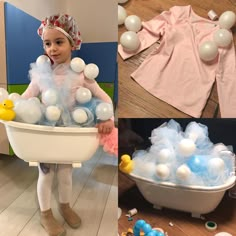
97 19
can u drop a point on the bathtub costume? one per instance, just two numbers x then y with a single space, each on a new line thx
174 72
67 25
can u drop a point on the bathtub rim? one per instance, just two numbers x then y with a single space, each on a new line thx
45 128
229 183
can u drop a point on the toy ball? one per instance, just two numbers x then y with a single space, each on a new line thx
91 71
14 97
52 113
83 95
35 99
147 228
216 166
129 41
50 97
3 94
133 23
197 163
227 20
222 38
208 51
77 64
104 111
183 172
122 1
79 116
162 171
42 60
164 155
122 14
186 147
218 148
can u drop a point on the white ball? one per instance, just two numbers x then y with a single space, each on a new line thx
3 94
91 71
79 116
50 97
83 95
227 20
183 172
129 41
216 166
122 14
218 148
35 99
122 1
77 64
133 23
104 111
186 147
52 113
208 51
164 155
14 97
162 171
42 60
222 38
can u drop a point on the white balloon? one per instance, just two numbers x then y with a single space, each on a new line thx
42 60
83 95
14 97
208 51
104 111
216 166
3 94
50 97
129 41
186 147
133 23
162 171
227 20
52 113
122 14
91 71
183 172
222 37
122 1
79 116
77 64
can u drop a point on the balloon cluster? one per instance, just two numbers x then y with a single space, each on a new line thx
208 51
53 108
129 39
141 225
184 157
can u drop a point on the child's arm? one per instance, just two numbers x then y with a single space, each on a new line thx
31 91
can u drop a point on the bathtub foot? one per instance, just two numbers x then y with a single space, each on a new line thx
77 165
196 215
33 163
157 207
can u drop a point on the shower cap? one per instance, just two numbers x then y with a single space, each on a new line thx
65 24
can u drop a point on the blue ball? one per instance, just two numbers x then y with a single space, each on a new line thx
139 224
197 163
147 228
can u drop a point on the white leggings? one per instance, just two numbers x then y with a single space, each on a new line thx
44 186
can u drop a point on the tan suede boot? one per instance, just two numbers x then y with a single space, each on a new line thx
72 219
50 224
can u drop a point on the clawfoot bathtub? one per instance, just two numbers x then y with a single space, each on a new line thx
196 200
47 144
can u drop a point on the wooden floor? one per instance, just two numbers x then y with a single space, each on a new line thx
134 101
94 198
183 223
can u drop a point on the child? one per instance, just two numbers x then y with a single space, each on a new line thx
60 37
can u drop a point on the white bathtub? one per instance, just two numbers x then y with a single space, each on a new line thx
196 200
47 144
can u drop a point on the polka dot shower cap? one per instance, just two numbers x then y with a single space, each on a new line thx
65 24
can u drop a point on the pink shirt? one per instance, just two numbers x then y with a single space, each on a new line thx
174 72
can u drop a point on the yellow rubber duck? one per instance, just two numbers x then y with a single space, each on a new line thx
126 165
6 110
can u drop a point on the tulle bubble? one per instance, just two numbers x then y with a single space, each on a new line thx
83 95
186 147
77 64
104 111
216 166
3 94
91 71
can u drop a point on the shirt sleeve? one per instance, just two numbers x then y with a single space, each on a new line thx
151 32
31 91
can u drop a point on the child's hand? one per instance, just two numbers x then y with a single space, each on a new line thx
105 127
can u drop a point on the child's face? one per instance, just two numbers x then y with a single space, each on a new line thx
57 46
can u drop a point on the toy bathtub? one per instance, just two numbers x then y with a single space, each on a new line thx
47 144
196 200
